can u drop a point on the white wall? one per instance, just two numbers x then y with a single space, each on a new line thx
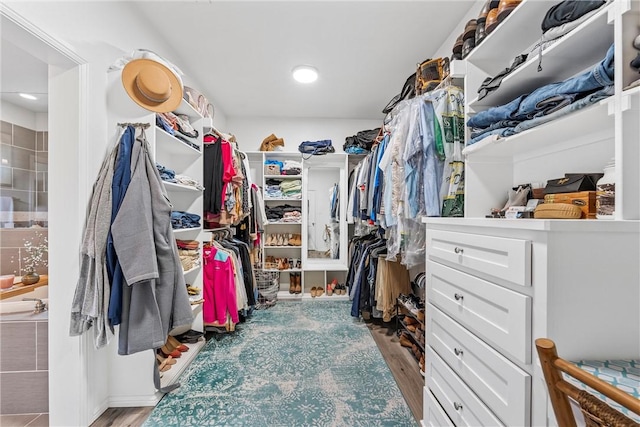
251 131
17 115
98 33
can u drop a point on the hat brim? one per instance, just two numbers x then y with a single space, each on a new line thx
129 73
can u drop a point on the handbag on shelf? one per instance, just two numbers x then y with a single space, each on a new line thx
408 92
572 183
315 148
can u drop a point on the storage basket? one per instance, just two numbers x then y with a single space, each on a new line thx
268 285
271 170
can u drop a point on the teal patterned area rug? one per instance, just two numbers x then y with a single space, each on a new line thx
298 363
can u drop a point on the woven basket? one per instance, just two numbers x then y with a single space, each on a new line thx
271 170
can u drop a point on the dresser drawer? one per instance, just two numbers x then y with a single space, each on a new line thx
458 401
498 315
499 257
500 384
434 415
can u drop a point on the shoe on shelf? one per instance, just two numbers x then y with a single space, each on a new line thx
330 289
313 292
319 291
410 320
164 364
405 341
177 344
292 283
298 277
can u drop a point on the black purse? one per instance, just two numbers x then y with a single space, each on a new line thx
573 183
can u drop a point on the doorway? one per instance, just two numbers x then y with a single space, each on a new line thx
37 66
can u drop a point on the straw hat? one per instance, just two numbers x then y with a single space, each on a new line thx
152 85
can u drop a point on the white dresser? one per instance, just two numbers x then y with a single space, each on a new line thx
495 285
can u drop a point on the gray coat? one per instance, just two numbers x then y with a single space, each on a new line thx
155 298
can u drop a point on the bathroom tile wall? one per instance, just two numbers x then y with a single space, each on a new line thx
12 250
24 376
24 155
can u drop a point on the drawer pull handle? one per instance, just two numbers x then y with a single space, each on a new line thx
458 297
458 250
457 405
457 351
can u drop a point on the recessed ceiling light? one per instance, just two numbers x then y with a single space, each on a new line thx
27 96
305 74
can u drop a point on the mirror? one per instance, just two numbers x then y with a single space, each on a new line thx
323 213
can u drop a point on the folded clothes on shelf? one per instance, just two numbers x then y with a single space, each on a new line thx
180 219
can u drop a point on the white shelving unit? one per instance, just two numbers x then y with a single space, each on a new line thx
130 380
314 272
495 285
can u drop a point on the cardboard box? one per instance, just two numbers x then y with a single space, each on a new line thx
585 199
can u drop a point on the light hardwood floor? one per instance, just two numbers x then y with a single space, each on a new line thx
401 362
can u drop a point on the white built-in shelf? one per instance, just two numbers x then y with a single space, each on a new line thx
186 108
283 176
548 137
172 186
282 199
283 223
172 375
196 308
282 247
513 36
560 225
312 265
288 270
174 146
186 230
566 58
285 295
458 68
633 92
191 270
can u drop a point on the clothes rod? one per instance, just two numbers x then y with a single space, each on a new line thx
135 125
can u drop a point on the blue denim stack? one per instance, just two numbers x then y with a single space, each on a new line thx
545 103
181 219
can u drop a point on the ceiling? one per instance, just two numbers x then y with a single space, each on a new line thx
20 72
240 53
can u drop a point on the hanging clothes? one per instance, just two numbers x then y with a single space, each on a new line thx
154 295
212 178
155 299
218 287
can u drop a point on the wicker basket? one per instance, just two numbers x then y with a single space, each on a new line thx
271 170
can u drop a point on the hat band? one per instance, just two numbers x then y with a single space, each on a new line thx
150 97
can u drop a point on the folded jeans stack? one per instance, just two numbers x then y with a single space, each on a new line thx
546 103
180 219
166 174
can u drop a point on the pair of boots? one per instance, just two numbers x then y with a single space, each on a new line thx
295 283
271 142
